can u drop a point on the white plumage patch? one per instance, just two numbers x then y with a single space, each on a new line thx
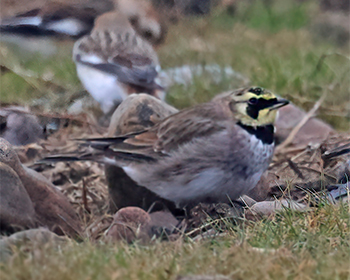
91 58
31 21
104 88
68 26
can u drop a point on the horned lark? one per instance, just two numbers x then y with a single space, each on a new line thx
212 152
113 62
76 18
57 18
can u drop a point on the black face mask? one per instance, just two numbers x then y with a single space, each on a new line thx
257 104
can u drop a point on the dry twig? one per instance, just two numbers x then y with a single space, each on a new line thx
296 129
84 196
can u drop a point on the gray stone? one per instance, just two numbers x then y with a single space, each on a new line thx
314 130
52 208
33 237
130 224
268 208
16 208
20 127
163 222
135 113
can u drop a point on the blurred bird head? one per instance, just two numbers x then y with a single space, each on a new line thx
112 21
145 19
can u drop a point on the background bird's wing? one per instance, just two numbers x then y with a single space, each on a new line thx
129 68
51 19
31 18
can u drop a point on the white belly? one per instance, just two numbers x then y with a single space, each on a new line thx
104 88
69 26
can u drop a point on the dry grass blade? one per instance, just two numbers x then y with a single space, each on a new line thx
84 195
324 56
296 129
295 168
28 76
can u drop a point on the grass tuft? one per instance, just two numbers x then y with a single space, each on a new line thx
292 245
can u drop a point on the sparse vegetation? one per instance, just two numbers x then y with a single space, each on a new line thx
272 46
310 245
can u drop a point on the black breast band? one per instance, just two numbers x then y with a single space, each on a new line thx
264 133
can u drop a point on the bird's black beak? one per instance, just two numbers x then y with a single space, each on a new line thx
279 102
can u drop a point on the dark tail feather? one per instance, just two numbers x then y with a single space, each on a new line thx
24 25
104 143
59 158
109 140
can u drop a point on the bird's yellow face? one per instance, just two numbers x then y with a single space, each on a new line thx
256 106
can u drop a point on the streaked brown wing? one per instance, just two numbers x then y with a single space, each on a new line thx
131 60
166 136
180 128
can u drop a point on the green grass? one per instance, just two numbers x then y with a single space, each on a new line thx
287 61
34 76
309 245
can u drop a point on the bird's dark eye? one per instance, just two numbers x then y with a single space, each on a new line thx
253 101
147 34
133 20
